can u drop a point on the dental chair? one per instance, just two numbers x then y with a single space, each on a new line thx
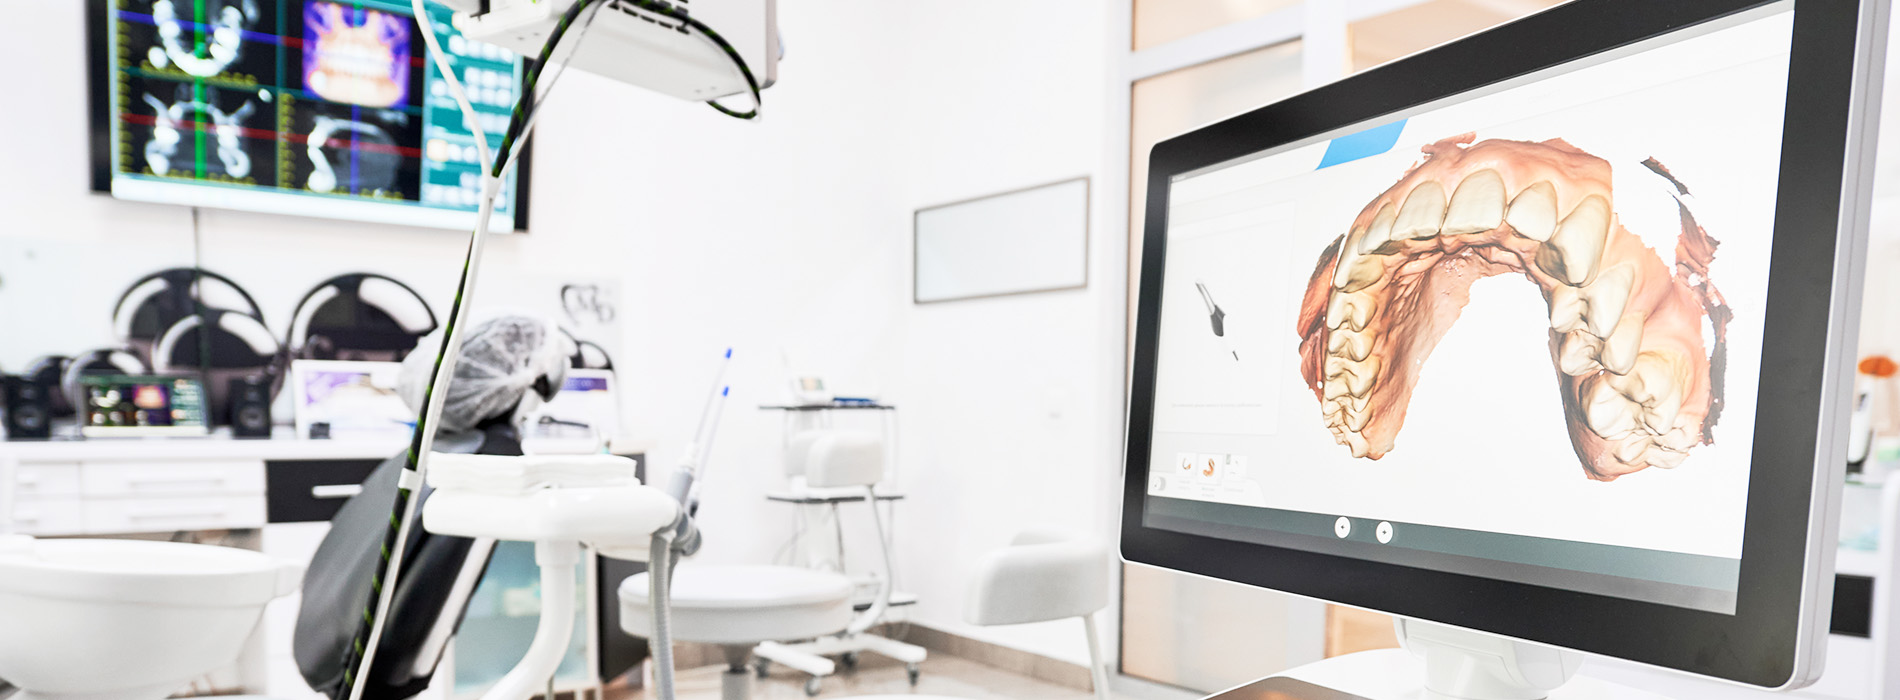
1042 576
739 607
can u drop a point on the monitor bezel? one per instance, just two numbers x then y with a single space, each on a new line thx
99 130
1774 638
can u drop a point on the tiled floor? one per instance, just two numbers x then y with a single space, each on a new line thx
943 675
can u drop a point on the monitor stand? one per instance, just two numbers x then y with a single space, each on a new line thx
1445 663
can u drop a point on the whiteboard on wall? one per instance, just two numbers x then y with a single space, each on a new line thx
1034 239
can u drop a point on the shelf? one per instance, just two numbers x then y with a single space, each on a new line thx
217 446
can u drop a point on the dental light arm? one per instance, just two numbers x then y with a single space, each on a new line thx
536 27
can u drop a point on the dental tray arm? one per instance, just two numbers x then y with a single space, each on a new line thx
558 502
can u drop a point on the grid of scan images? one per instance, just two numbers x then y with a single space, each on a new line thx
317 97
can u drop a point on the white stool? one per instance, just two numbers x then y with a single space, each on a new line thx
737 607
741 607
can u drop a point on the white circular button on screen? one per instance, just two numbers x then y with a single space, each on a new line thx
1342 527
1384 533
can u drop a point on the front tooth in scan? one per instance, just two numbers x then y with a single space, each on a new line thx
1349 310
1422 213
1380 231
1533 213
1477 205
1574 251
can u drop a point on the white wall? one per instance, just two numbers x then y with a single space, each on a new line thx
1015 403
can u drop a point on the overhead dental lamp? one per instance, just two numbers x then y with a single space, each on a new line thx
634 43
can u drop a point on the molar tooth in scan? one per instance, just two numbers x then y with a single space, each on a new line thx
1637 345
166 152
222 46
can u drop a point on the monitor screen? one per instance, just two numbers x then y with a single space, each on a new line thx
142 406
1545 333
1514 334
306 107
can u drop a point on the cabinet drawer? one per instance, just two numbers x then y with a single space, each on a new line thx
47 479
112 479
171 514
49 516
312 490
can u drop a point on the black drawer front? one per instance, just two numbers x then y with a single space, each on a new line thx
311 490
1853 605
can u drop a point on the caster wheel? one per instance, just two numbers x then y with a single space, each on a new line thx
915 672
850 660
813 685
763 667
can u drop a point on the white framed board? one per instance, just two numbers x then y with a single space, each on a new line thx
1034 239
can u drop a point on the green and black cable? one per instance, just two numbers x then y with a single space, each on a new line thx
355 661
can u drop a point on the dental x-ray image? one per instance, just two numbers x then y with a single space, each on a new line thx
202 134
356 55
350 150
198 40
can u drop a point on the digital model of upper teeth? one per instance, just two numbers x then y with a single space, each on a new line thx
1640 385
356 55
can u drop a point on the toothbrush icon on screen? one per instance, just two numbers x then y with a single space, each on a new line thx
1218 317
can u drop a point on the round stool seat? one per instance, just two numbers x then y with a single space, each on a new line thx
715 604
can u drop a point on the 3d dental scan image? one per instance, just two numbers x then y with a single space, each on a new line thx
1639 387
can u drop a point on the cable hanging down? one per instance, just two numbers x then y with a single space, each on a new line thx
362 649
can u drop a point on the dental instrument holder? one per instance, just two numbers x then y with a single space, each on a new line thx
560 503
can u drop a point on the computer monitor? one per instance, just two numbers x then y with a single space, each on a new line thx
1544 333
323 108
142 406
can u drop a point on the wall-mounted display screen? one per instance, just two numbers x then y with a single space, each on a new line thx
307 107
